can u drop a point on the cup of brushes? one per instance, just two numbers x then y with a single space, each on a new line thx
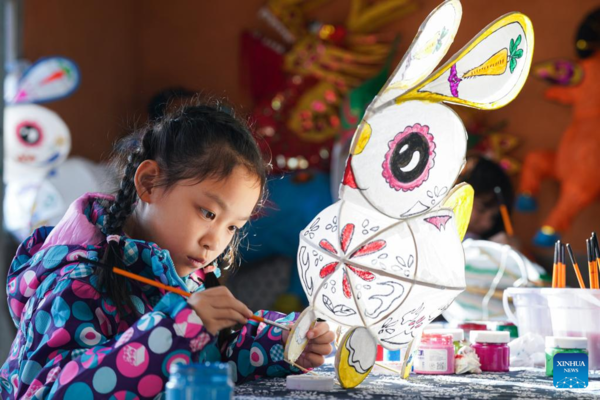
559 269
574 311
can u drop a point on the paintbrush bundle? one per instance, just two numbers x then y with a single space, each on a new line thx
593 258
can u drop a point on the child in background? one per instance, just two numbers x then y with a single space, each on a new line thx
167 100
190 182
486 221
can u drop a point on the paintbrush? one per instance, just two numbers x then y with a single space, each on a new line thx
168 288
593 271
561 266
575 267
594 240
596 251
504 212
555 267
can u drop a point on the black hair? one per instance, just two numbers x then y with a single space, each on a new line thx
587 40
196 142
484 176
159 103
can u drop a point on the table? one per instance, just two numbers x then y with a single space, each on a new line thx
523 383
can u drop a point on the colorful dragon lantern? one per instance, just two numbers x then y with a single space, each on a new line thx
298 86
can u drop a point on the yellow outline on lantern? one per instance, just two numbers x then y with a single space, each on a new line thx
362 135
460 201
346 374
501 22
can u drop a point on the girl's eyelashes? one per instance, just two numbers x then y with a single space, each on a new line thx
211 216
207 214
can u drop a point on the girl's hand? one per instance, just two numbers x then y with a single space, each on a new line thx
319 345
218 309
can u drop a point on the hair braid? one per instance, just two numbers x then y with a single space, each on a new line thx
122 207
126 198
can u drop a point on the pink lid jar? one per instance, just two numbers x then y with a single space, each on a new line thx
492 349
435 355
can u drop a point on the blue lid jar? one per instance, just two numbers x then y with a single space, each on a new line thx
210 381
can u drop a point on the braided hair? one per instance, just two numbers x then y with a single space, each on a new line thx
197 142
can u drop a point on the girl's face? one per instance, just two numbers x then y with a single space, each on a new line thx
484 214
194 221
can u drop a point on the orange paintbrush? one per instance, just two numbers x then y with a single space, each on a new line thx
555 267
594 240
168 288
593 269
575 267
559 270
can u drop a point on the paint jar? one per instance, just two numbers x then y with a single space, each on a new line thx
435 355
200 381
467 327
458 335
492 349
561 344
510 328
392 355
393 359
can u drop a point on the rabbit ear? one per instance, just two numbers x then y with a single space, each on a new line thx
46 80
431 44
488 72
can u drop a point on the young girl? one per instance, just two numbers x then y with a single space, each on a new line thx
190 183
485 176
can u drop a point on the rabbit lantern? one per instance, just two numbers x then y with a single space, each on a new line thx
387 259
36 139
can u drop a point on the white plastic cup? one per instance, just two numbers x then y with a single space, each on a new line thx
576 312
531 309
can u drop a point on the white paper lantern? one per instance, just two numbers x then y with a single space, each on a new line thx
387 258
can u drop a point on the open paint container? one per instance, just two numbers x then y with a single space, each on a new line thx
532 313
576 313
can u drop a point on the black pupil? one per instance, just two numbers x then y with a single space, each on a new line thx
29 134
411 143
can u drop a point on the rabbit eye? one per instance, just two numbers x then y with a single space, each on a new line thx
409 159
29 134
413 155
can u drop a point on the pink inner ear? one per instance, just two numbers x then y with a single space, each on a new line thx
349 175
20 97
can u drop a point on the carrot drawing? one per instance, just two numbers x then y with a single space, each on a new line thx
496 64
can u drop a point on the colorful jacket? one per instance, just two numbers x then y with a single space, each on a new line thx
71 343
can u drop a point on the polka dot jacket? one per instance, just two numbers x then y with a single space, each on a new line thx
70 342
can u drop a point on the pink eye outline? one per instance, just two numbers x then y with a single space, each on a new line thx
424 137
33 125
